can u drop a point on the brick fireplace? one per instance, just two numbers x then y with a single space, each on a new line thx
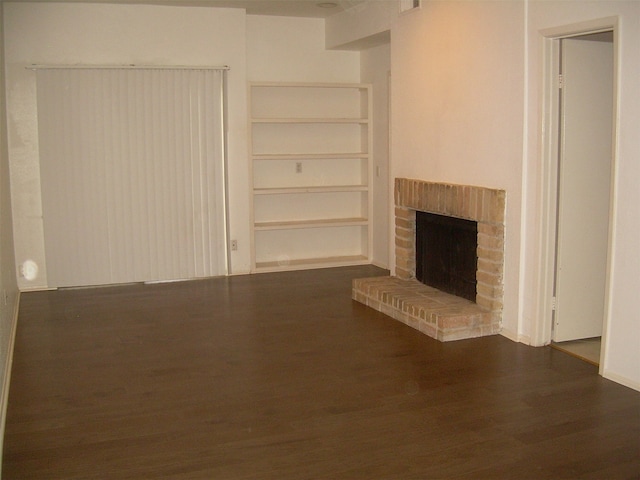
437 314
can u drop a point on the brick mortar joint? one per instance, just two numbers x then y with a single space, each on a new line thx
486 206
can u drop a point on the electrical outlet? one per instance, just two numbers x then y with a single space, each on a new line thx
298 167
234 244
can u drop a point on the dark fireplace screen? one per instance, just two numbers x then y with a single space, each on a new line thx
446 253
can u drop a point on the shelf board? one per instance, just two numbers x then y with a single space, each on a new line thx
361 121
328 123
319 189
328 222
310 156
358 86
308 263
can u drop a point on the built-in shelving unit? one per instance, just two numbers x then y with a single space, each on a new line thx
310 150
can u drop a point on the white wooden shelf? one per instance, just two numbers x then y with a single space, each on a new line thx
306 85
310 156
328 222
302 120
319 189
313 213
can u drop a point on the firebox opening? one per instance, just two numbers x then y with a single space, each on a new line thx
446 253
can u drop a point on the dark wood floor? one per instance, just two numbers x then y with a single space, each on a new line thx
282 376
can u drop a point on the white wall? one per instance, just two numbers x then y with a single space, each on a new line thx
362 26
622 361
9 296
466 97
365 27
457 108
292 49
286 49
467 105
116 34
254 47
375 68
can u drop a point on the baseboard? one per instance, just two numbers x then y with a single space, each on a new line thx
609 375
515 337
38 289
627 382
4 394
379 265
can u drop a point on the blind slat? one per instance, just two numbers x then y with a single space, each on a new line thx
132 174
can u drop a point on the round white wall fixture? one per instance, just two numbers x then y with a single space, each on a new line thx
29 270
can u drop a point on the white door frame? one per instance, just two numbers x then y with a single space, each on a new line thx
549 173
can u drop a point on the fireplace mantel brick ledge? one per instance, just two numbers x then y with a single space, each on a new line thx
435 313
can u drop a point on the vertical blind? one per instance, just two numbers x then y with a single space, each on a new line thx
132 174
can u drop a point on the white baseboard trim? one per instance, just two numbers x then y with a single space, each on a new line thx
608 374
515 337
627 382
379 265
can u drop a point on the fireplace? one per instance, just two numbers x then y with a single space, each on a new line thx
439 314
446 253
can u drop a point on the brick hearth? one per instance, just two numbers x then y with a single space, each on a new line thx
435 313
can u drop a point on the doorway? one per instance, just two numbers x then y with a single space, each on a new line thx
583 179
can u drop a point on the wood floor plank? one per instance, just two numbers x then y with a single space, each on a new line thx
283 376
